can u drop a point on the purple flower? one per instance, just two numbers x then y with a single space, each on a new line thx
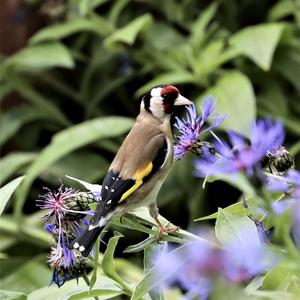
194 265
193 126
66 211
241 154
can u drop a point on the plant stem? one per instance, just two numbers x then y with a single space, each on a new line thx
87 281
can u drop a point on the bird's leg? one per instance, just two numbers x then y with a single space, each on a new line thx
153 210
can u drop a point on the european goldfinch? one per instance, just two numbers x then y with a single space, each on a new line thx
140 167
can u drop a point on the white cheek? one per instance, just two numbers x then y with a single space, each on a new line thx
157 108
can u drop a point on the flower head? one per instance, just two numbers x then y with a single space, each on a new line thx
194 265
193 126
241 154
66 212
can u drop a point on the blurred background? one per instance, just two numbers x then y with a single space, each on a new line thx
72 76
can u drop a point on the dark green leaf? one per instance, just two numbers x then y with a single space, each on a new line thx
11 163
7 190
12 120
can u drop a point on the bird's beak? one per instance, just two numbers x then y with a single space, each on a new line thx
180 100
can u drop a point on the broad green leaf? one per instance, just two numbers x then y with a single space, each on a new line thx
236 100
140 246
11 295
70 140
175 77
236 209
281 9
68 288
39 57
7 190
100 290
60 31
258 43
28 277
230 228
11 163
13 119
129 32
108 266
284 278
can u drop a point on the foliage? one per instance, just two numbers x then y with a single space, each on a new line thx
79 80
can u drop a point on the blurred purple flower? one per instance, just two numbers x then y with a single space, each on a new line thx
241 155
193 126
194 265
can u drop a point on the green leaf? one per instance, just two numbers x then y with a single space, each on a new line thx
10 295
230 228
281 9
68 289
174 77
108 266
283 278
236 209
129 32
258 43
28 277
67 141
11 163
39 57
198 28
236 100
47 109
7 190
78 164
140 246
14 119
105 291
60 31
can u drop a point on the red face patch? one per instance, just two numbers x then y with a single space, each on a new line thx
169 89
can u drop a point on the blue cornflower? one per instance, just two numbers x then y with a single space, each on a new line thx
195 265
241 154
66 210
193 126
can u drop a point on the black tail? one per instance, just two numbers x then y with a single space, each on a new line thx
85 242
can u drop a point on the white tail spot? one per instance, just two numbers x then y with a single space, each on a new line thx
76 245
81 248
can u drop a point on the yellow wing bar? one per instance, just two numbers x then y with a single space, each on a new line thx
138 177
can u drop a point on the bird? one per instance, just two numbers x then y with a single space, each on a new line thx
140 166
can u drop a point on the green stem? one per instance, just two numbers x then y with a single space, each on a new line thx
87 281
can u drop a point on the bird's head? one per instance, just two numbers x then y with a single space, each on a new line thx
161 100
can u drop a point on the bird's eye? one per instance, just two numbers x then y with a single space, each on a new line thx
164 96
